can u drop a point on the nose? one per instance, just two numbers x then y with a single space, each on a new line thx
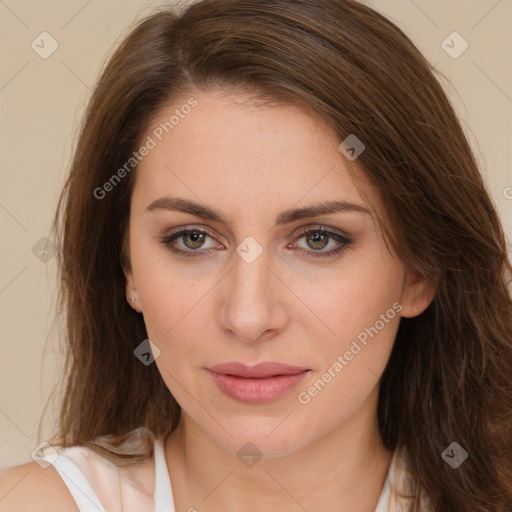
253 305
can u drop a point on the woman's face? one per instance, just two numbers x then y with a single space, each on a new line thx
250 279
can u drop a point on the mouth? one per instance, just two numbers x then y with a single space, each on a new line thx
262 383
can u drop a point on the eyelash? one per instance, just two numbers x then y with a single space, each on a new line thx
343 240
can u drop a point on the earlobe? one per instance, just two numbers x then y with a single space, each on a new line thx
418 293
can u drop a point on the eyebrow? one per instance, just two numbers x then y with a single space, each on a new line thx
286 217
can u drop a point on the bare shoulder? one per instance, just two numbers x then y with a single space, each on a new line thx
30 487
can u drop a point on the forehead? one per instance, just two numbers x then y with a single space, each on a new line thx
229 150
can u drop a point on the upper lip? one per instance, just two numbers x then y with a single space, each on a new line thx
267 369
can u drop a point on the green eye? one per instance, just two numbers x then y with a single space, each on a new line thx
195 238
319 238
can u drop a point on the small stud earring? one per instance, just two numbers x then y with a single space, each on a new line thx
132 300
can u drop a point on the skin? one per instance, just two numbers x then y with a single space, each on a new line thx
250 163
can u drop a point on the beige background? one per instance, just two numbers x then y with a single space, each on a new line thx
41 101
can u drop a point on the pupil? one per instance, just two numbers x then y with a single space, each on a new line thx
318 238
195 237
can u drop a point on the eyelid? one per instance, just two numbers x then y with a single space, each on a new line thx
192 227
321 227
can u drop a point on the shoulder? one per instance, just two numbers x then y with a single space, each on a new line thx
30 487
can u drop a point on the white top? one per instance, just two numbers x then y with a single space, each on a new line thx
87 475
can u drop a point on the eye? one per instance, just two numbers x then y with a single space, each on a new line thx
191 240
319 238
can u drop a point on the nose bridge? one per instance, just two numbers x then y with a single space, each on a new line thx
251 272
250 307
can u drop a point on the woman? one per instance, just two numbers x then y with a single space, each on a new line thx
280 197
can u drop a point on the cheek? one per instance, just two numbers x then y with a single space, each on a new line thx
350 363
168 311
352 297
360 304
158 287
175 314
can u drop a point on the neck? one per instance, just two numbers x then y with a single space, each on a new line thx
343 470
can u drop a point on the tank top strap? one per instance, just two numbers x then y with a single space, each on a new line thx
97 485
164 499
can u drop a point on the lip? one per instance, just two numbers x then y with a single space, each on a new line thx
261 383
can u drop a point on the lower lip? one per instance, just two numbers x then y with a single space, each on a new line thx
257 391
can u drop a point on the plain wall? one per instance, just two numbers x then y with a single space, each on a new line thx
41 101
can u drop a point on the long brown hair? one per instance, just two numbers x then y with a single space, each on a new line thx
448 378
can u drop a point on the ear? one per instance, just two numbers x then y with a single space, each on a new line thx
417 294
132 295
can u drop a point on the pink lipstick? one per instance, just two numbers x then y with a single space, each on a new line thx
256 384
